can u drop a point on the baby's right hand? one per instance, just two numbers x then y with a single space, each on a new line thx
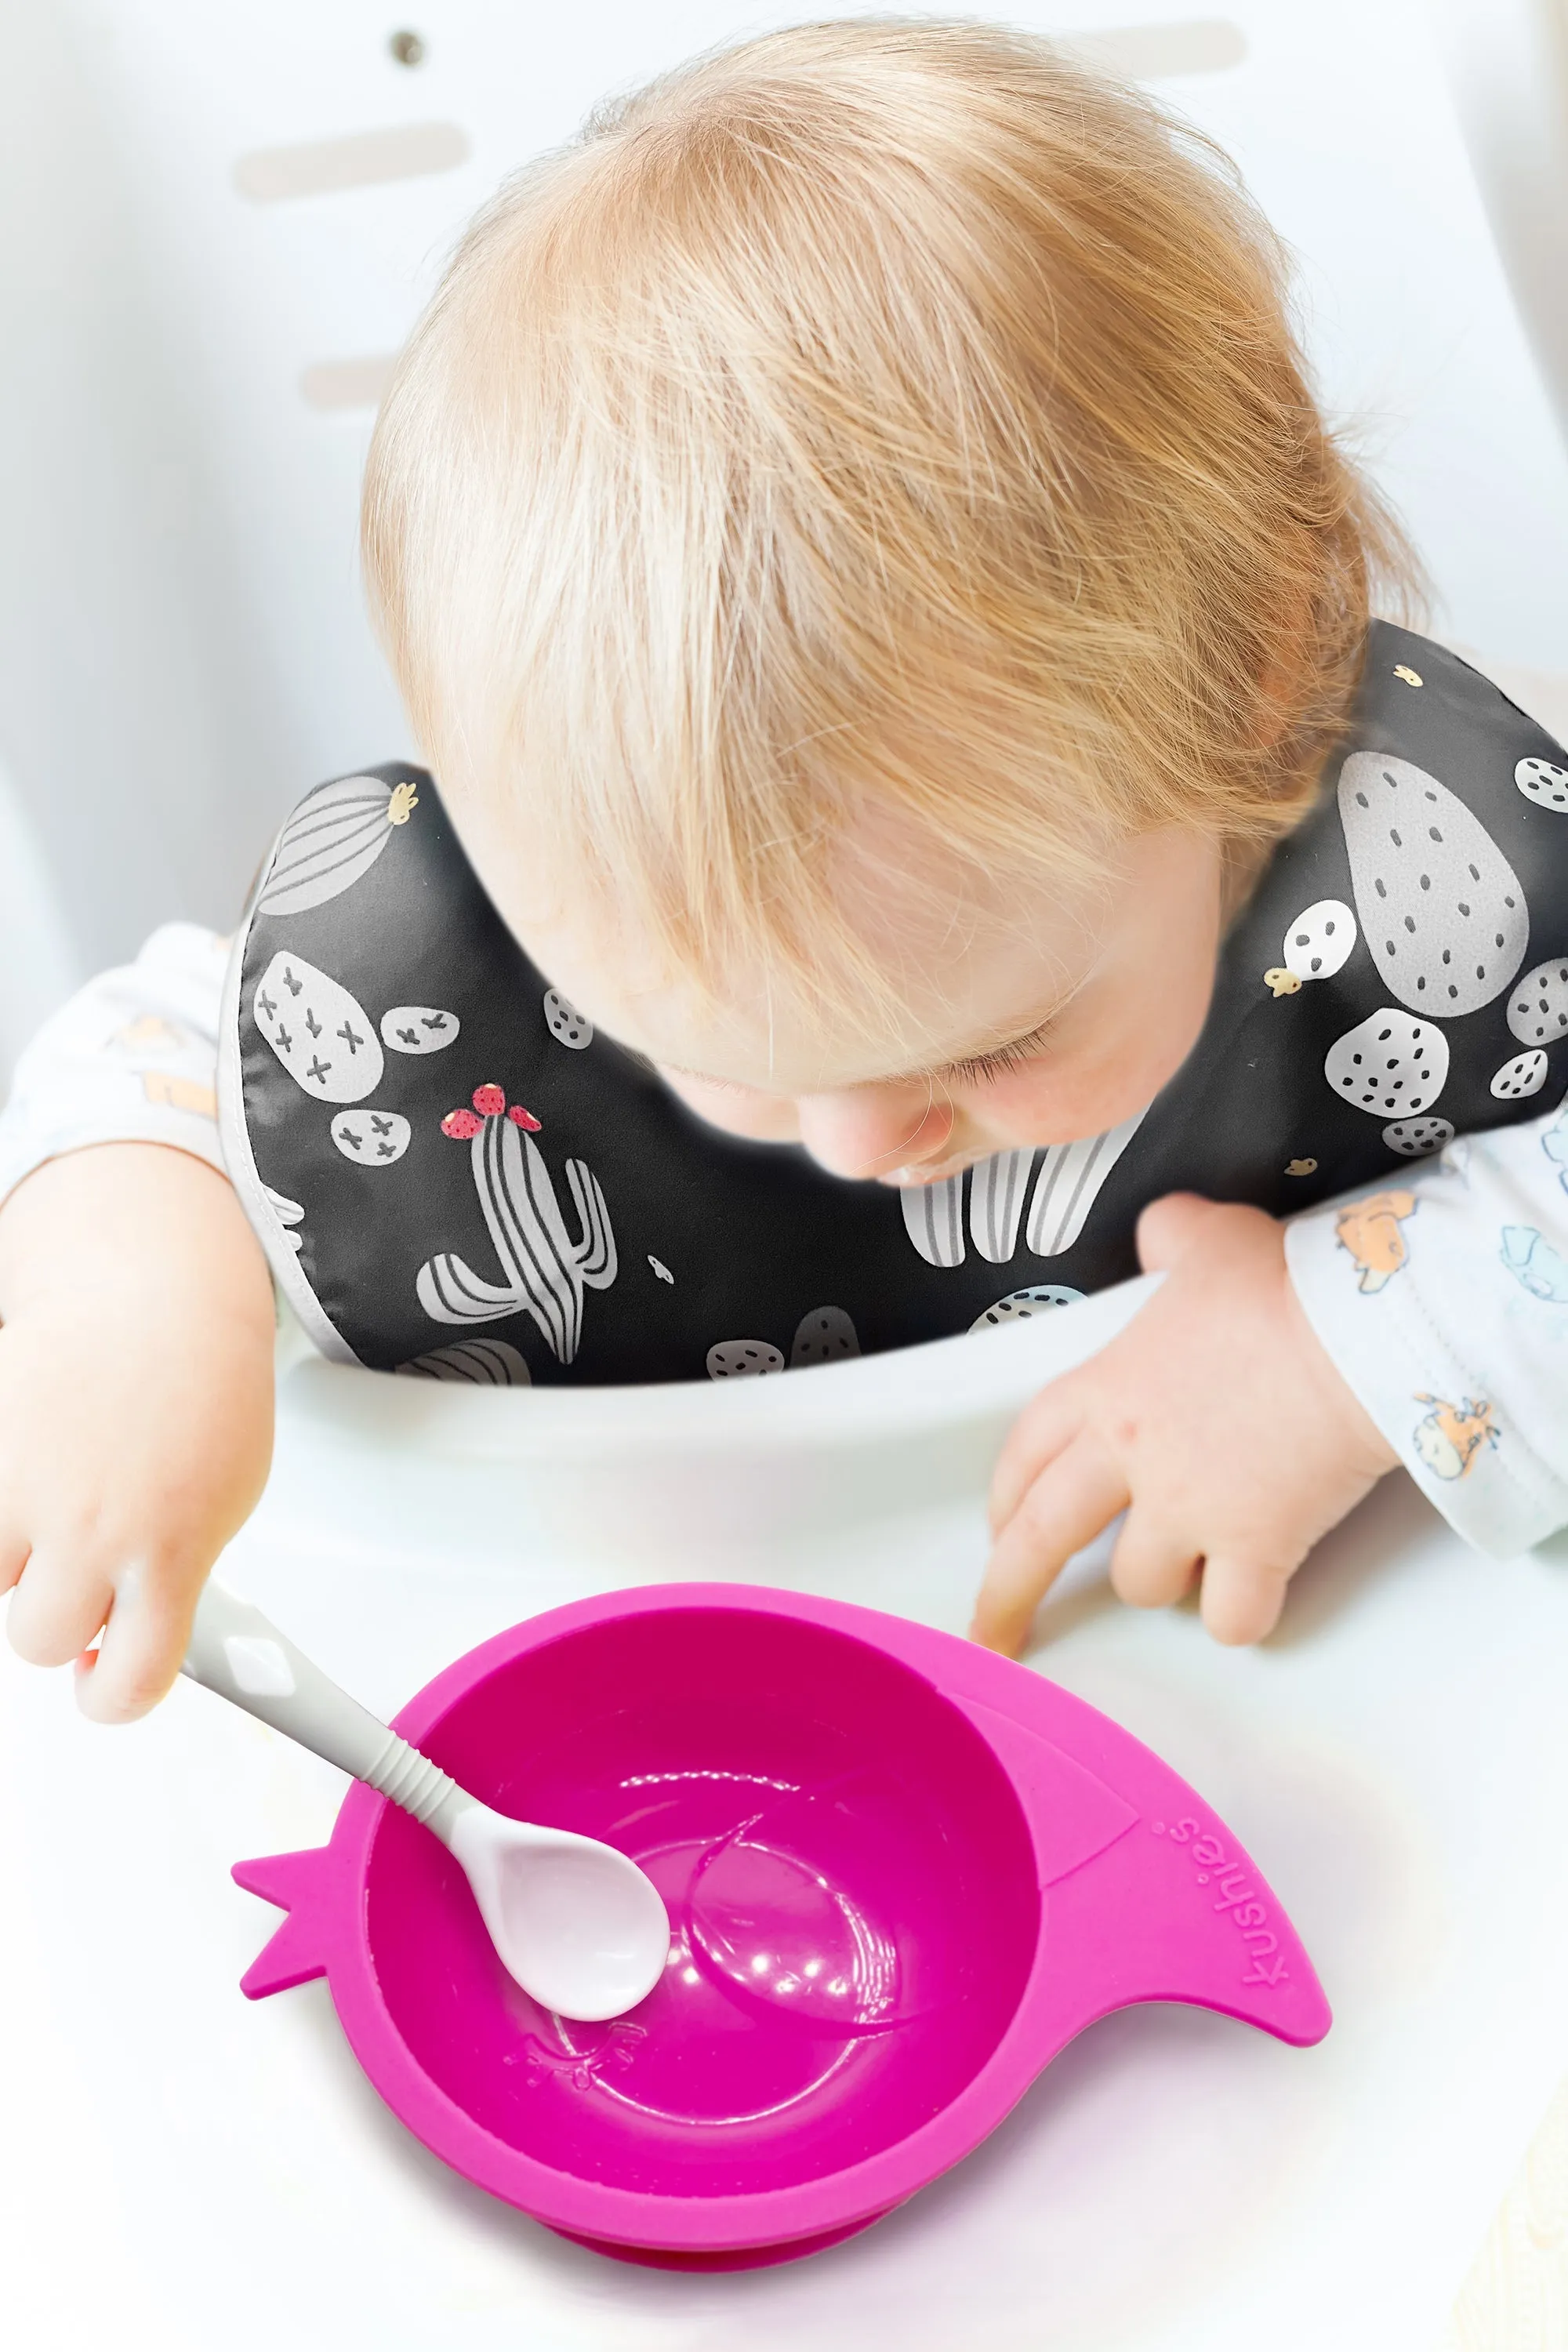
135 1409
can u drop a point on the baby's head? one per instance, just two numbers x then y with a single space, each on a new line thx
866 566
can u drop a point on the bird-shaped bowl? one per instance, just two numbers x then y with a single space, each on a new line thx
901 1872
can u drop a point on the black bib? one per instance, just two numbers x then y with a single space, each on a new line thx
452 1175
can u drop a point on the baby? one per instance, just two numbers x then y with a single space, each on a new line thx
891 630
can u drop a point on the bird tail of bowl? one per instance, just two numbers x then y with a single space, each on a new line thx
1147 1894
305 1886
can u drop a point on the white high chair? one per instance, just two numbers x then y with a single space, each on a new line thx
219 224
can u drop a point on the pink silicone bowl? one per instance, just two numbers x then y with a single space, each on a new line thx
901 1872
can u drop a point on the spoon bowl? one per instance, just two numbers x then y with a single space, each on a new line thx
576 1923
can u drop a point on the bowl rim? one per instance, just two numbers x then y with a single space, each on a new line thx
638 2218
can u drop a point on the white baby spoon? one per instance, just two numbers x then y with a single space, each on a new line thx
578 1925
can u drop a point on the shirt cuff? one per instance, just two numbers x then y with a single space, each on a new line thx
1398 1341
132 1059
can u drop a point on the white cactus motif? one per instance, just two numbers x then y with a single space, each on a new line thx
472 1364
1413 1137
743 1360
1525 1074
1442 910
566 1024
1543 782
825 1336
1019 1305
934 1219
372 1138
319 1030
546 1271
1389 1062
1538 1008
332 839
996 1191
289 1214
1068 1184
419 1029
1320 941
1065 1187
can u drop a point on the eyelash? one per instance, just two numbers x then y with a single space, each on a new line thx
997 1065
973 1072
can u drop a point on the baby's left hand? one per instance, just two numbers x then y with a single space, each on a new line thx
1216 1420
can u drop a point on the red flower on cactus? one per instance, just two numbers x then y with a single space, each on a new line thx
490 1102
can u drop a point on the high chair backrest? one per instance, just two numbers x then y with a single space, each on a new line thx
219 223
1508 61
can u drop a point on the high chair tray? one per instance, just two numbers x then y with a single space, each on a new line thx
1397 1756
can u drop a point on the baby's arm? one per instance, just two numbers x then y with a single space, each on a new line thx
136 1352
1444 1302
1279 1371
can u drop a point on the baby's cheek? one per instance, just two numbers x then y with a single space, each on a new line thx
1044 1102
1088 1083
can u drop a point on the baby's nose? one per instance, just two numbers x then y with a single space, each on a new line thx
866 1132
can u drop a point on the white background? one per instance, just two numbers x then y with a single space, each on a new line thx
180 654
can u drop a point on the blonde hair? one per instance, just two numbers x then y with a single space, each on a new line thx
877 414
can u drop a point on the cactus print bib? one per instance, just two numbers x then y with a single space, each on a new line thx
453 1176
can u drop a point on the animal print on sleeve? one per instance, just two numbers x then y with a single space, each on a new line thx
1444 1303
131 1058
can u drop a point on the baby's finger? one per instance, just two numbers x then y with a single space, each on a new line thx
1151 1565
144 1640
14 1551
1045 1428
1168 1227
1242 1599
55 1612
1068 1504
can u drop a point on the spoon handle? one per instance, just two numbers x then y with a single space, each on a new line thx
238 1652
